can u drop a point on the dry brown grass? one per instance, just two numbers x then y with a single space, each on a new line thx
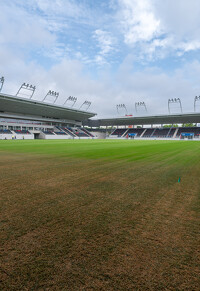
69 224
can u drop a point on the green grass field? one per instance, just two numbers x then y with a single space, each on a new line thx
99 215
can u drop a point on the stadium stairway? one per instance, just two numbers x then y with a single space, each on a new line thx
87 132
175 133
137 131
118 132
124 134
169 132
80 133
59 131
153 133
148 132
68 131
143 132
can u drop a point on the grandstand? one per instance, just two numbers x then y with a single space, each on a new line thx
149 126
156 133
23 118
26 118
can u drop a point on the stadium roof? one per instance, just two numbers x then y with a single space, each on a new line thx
144 120
26 108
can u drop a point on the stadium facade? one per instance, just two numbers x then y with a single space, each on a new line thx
25 118
28 119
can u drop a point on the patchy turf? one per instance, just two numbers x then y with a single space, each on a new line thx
99 215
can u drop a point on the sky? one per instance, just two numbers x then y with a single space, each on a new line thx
108 52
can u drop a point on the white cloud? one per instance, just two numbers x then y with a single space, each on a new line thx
138 21
106 43
180 21
60 15
18 27
168 26
179 18
61 7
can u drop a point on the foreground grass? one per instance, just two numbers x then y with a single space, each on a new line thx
99 215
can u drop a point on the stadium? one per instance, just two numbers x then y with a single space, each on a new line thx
97 204
99 145
26 118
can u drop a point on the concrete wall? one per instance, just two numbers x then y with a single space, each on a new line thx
99 135
55 136
52 136
18 136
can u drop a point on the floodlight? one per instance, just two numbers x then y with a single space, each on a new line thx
140 105
1 83
196 99
174 101
87 104
71 99
121 107
53 94
27 87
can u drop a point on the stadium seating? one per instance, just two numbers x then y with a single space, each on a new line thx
148 132
60 132
137 131
161 132
97 129
87 132
81 134
68 131
119 131
5 131
195 130
78 132
47 132
23 131
171 132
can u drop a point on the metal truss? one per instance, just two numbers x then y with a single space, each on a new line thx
196 99
71 100
87 104
28 88
121 107
174 101
1 83
140 105
52 94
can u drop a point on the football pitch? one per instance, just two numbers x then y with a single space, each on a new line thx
99 215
